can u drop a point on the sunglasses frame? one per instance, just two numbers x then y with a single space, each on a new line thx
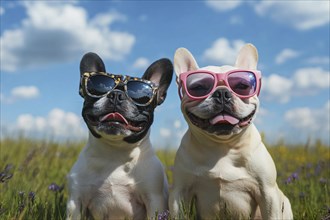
217 78
118 79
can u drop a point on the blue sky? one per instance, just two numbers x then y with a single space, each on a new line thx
42 44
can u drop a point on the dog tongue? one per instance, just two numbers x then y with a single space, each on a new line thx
114 117
224 118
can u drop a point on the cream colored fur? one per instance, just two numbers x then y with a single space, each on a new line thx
116 180
229 176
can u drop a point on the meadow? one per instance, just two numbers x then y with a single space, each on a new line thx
33 177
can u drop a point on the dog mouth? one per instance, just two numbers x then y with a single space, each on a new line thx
116 120
223 121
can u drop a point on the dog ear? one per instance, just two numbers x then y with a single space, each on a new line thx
184 61
90 62
160 72
247 57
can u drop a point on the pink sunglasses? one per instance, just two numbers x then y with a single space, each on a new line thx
199 84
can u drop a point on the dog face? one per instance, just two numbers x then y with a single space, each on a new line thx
219 100
121 111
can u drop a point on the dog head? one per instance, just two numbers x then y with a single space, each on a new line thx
219 100
117 106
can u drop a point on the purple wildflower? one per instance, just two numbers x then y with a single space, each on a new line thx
8 167
163 215
318 169
295 176
309 165
323 180
2 176
55 188
32 196
288 180
5 175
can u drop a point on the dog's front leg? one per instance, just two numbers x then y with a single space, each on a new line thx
272 202
286 208
174 203
182 190
73 209
274 205
180 204
157 204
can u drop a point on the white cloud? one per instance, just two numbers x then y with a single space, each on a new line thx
28 123
309 121
54 33
276 87
25 92
305 81
20 93
235 19
312 78
302 15
177 124
223 5
285 55
2 11
104 20
165 132
223 51
141 63
58 124
2 97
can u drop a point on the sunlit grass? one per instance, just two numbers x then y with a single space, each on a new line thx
33 177
34 166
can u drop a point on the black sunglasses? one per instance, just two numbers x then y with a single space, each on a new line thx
99 84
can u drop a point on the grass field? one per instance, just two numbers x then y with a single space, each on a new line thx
33 177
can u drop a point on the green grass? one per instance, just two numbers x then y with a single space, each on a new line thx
29 167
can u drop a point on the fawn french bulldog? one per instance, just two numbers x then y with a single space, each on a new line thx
117 174
222 163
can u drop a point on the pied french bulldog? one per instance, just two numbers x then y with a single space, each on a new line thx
222 163
117 174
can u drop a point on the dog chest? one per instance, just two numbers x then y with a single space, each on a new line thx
107 189
115 200
113 197
226 199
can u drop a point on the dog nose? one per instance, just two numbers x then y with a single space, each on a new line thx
116 96
222 95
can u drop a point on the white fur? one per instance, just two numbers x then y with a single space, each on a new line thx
229 176
116 180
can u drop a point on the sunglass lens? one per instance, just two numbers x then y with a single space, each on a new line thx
243 83
100 84
199 84
139 92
